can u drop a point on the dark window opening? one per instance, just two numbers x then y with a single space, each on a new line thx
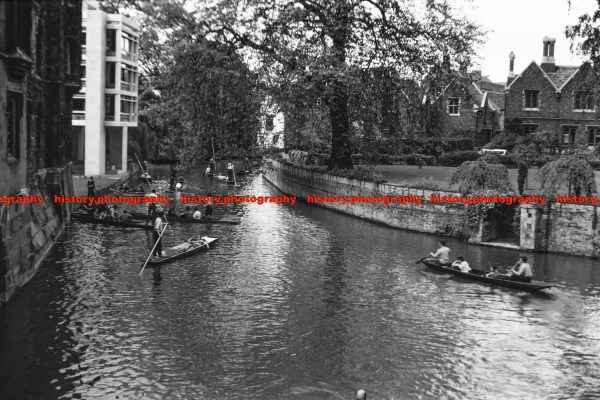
583 101
18 26
111 42
109 104
78 104
14 113
532 98
111 75
593 135
569 134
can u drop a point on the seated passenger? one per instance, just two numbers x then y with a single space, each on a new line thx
494 273
171 211
125 217
187 213
461 265
197 213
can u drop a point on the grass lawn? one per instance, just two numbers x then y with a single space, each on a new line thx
438 178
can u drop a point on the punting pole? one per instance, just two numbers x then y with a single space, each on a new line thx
233 169
153 247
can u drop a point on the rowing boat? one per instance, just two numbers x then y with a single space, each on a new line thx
217 220
478 275
89 218
191 246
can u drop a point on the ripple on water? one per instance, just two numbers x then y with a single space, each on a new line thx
298 303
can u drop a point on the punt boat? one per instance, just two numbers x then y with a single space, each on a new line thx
216 220
478 275
84 217
192 246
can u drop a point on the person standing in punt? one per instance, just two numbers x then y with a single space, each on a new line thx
230 172
158 228
91 187
208 209
151 206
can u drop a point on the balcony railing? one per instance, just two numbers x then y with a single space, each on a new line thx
130 87
127 117
109 117
78 115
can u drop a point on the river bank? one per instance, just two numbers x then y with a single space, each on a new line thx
554 228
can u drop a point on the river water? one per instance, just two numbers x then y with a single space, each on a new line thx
296 302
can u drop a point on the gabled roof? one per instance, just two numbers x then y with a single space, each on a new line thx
562 74
480 92
558 79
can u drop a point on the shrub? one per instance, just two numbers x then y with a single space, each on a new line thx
505 140
456 158
477 176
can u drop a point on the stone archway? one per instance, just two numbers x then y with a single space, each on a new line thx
498 225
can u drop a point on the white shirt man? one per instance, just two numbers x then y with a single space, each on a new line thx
197 214
442 254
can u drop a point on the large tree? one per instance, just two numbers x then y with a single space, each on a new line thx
326 43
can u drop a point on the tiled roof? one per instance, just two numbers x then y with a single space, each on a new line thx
496 99
491 86
561 74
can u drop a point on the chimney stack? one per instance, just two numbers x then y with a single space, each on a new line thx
548 54
511 68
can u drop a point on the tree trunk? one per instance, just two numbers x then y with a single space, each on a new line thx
338 101
340 129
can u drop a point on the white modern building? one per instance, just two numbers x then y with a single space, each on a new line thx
106 106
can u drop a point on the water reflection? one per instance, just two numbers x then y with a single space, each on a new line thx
295 302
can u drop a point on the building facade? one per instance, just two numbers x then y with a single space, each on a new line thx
107 104
472 108
40 53
553 98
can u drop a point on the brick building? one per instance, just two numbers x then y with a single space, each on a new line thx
553 98
472 108
40 54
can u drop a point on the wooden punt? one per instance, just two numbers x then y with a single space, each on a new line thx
216 220
83 217
478 275
192 246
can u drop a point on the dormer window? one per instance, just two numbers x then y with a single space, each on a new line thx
532 99
454 105
583 101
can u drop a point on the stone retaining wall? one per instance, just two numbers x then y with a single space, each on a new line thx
28 232
431 218
556 228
